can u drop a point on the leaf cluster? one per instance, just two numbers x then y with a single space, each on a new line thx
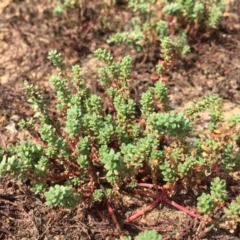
79 147
168 22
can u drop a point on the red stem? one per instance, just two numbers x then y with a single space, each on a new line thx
146 209
149 185
161 197
187 211
101 216
148 194
113 216
70 145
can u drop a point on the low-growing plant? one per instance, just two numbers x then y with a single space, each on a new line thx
170 22
78 152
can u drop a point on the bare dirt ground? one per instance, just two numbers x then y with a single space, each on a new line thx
28 30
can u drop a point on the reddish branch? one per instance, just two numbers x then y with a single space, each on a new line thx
113 216
146 209
161 197
187 211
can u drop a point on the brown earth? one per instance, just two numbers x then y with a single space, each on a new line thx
27 32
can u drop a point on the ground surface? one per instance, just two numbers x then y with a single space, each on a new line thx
27 32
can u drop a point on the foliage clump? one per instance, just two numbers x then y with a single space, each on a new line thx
170 22
167 24
80 152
